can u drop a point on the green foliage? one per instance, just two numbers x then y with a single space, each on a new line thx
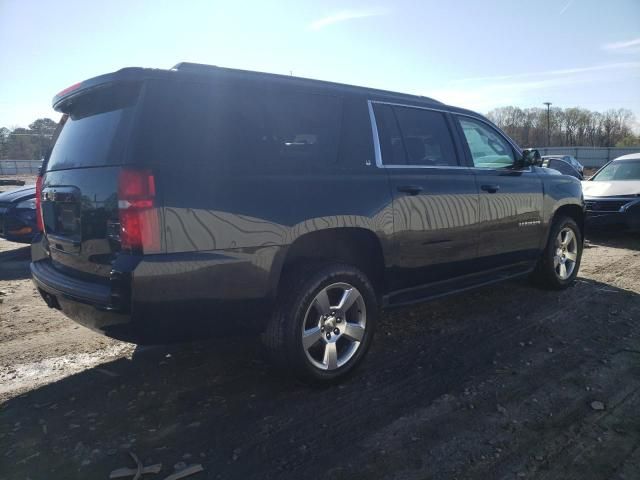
629 141
27 143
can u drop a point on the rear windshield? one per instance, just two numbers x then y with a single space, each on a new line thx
97 128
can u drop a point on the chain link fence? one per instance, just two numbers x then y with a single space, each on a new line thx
590 157
20 167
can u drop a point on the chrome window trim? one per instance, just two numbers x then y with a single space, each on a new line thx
393 104
480 119
376 140
435 167
378 150
376 136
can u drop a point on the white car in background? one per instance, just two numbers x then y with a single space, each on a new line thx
612 195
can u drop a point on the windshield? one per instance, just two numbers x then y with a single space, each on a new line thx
96 128
619 170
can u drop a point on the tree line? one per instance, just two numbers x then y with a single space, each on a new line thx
30 143
575 127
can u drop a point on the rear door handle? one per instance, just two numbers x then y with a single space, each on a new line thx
490 188
410 189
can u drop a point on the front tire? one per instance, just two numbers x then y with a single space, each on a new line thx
323 323
558 267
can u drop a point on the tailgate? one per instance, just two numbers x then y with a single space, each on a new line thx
80 214
80 185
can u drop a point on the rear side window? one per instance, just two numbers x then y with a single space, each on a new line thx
413 136
391 146
426 136
242 127
562 167
97 128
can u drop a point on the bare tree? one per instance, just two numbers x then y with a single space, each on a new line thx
569 127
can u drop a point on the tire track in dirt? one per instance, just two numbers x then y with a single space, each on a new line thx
464 342
436 395
535 385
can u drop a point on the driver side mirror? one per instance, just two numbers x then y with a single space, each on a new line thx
530 157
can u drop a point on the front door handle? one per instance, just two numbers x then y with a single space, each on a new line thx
490 188
410 189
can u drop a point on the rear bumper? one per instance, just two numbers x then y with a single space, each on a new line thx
159 298
48 278
87 303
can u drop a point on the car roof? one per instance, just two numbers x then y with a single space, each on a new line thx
631 156
213 70
375 94
210 72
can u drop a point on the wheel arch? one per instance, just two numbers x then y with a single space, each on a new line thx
355 246
571 210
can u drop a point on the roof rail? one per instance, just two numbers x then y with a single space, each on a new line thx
193 67
203 68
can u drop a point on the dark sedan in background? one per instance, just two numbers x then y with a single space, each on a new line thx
563 166
18 214
575 164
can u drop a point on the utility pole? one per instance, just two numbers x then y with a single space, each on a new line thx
548 104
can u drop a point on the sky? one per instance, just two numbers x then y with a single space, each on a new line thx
474 54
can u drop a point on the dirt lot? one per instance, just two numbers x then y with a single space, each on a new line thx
27 179
497 383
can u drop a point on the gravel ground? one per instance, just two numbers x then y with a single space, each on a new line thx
503 382
27 179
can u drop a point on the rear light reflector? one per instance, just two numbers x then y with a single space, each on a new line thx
39 220
73 87
139 223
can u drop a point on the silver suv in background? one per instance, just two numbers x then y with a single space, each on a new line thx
567 158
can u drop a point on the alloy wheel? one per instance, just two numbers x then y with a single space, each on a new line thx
334 326
566 253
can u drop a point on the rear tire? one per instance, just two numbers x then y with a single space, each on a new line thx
323 322
558 267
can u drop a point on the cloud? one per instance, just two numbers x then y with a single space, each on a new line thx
628 46
485 93
346 15
564 9
560 72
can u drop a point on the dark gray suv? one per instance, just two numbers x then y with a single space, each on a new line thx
193 194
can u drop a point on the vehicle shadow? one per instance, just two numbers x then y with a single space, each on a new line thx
616 239
217 402
14 264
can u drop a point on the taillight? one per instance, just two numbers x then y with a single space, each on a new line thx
139 224
39 203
